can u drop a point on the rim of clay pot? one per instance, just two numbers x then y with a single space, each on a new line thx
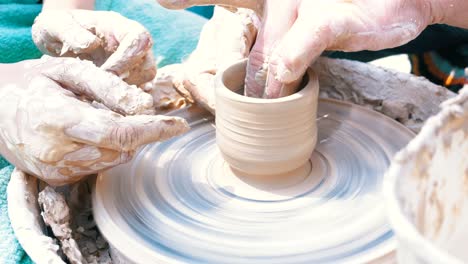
309 83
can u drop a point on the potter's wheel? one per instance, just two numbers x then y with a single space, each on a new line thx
178 202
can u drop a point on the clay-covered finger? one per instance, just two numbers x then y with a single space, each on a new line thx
125 42
119 133
200 89
85 79
277 21
274 88
60 38
296 52
134 42
132 48
85 161
142 72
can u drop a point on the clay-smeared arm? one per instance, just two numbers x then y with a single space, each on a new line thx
450 12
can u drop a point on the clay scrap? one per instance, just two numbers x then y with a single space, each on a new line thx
56 215
402 96
163 90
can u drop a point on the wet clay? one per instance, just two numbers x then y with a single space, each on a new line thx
265 136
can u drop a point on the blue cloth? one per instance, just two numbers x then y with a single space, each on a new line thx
175 32
204 11
175 35
16 18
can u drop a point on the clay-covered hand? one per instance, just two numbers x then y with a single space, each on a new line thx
226 38
294 33
113 42
63 119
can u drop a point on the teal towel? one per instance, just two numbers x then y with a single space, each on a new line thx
204 11
16 19
175 34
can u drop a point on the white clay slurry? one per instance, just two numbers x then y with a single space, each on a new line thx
265 136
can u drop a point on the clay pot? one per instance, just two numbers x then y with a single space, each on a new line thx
265 136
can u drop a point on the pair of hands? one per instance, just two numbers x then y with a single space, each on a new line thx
49 131
64 118
292 34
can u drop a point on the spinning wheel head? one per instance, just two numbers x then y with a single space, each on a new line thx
178 202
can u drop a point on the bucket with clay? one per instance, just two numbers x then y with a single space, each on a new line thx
426 189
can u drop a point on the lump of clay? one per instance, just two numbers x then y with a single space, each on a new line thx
56 214
68 211
163 90
409 99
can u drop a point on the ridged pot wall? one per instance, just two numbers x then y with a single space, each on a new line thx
265 136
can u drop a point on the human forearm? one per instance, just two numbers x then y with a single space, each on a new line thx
450 12
68 4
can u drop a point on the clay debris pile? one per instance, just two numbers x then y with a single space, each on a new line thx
68 214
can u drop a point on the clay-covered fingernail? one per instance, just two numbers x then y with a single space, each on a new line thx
283 73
